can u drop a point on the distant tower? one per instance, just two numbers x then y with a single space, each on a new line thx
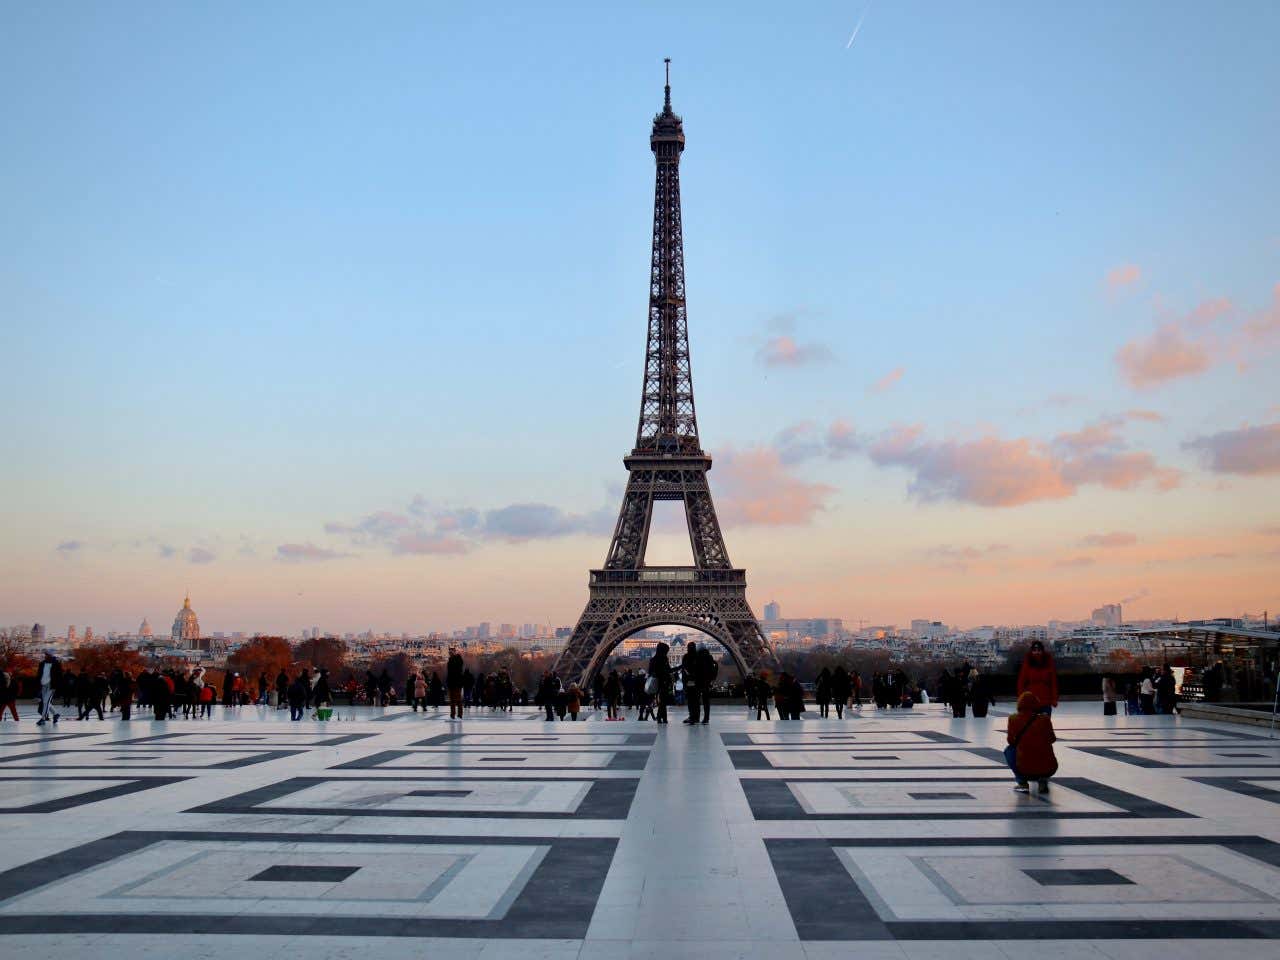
186 628
71 634
772 612
145 630
37 633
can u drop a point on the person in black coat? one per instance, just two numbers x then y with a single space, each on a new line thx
454 675
321 695
660 670
822 692
841 687
297 699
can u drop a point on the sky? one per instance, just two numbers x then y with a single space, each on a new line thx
334 315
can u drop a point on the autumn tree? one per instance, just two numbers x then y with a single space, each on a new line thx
104 658
15 659
323 653
261 655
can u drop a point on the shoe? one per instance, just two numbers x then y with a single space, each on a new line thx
690 721
1044 786
39 723
55 718
1022 788
706 721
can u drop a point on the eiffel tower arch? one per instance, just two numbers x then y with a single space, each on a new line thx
667 463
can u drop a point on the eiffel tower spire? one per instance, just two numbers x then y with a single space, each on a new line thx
668 421
667 463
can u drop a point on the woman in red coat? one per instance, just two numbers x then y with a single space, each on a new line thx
1030 751
1039 676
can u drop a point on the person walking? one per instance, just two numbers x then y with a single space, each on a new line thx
660 672
705 669
1147 693
297 699
8 694
573 701
689 674
436 690
321 694
764 693
840 689
454 669
49 674
613 694
1109 695
980 697
1167 690
1030 739
124 695
822 692
1038 675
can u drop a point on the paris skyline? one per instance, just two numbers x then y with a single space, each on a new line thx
358 337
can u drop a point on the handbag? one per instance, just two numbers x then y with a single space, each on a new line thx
1011 751
651 686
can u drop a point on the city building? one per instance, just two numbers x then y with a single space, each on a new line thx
145 630
1107 615
186 628
772 611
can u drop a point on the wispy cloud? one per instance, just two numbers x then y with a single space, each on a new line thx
1124 275
201 555
961 559
754 487
786 351
68 547
888 380
1115 539
426 528
1249 451
1166 354
1081 561
306 553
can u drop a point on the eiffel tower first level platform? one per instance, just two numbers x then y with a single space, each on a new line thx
667 463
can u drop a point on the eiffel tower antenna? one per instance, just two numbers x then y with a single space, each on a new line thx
666 463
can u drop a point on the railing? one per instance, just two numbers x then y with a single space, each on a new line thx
668 575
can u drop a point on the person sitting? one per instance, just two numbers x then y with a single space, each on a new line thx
1030 751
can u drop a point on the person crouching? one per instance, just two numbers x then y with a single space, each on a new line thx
1030 751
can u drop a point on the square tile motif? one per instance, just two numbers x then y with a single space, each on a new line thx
110 758
292 884
275 738
921 758
532 758
518 798
1091 888
942 799
1155 756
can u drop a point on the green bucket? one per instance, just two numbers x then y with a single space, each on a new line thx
324 713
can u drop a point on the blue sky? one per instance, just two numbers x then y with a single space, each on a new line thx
265 270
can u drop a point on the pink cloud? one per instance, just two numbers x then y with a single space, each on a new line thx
755 487
990 472
994 472
1249 451
1075 562
888 380
784 351
1150 416
1123 275
1115 539
1165 355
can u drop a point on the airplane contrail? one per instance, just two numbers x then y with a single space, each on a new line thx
854 36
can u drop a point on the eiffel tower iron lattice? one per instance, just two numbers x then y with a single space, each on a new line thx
667 463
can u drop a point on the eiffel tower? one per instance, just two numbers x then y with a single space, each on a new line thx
667 463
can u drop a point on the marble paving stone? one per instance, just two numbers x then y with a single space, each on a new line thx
886 835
